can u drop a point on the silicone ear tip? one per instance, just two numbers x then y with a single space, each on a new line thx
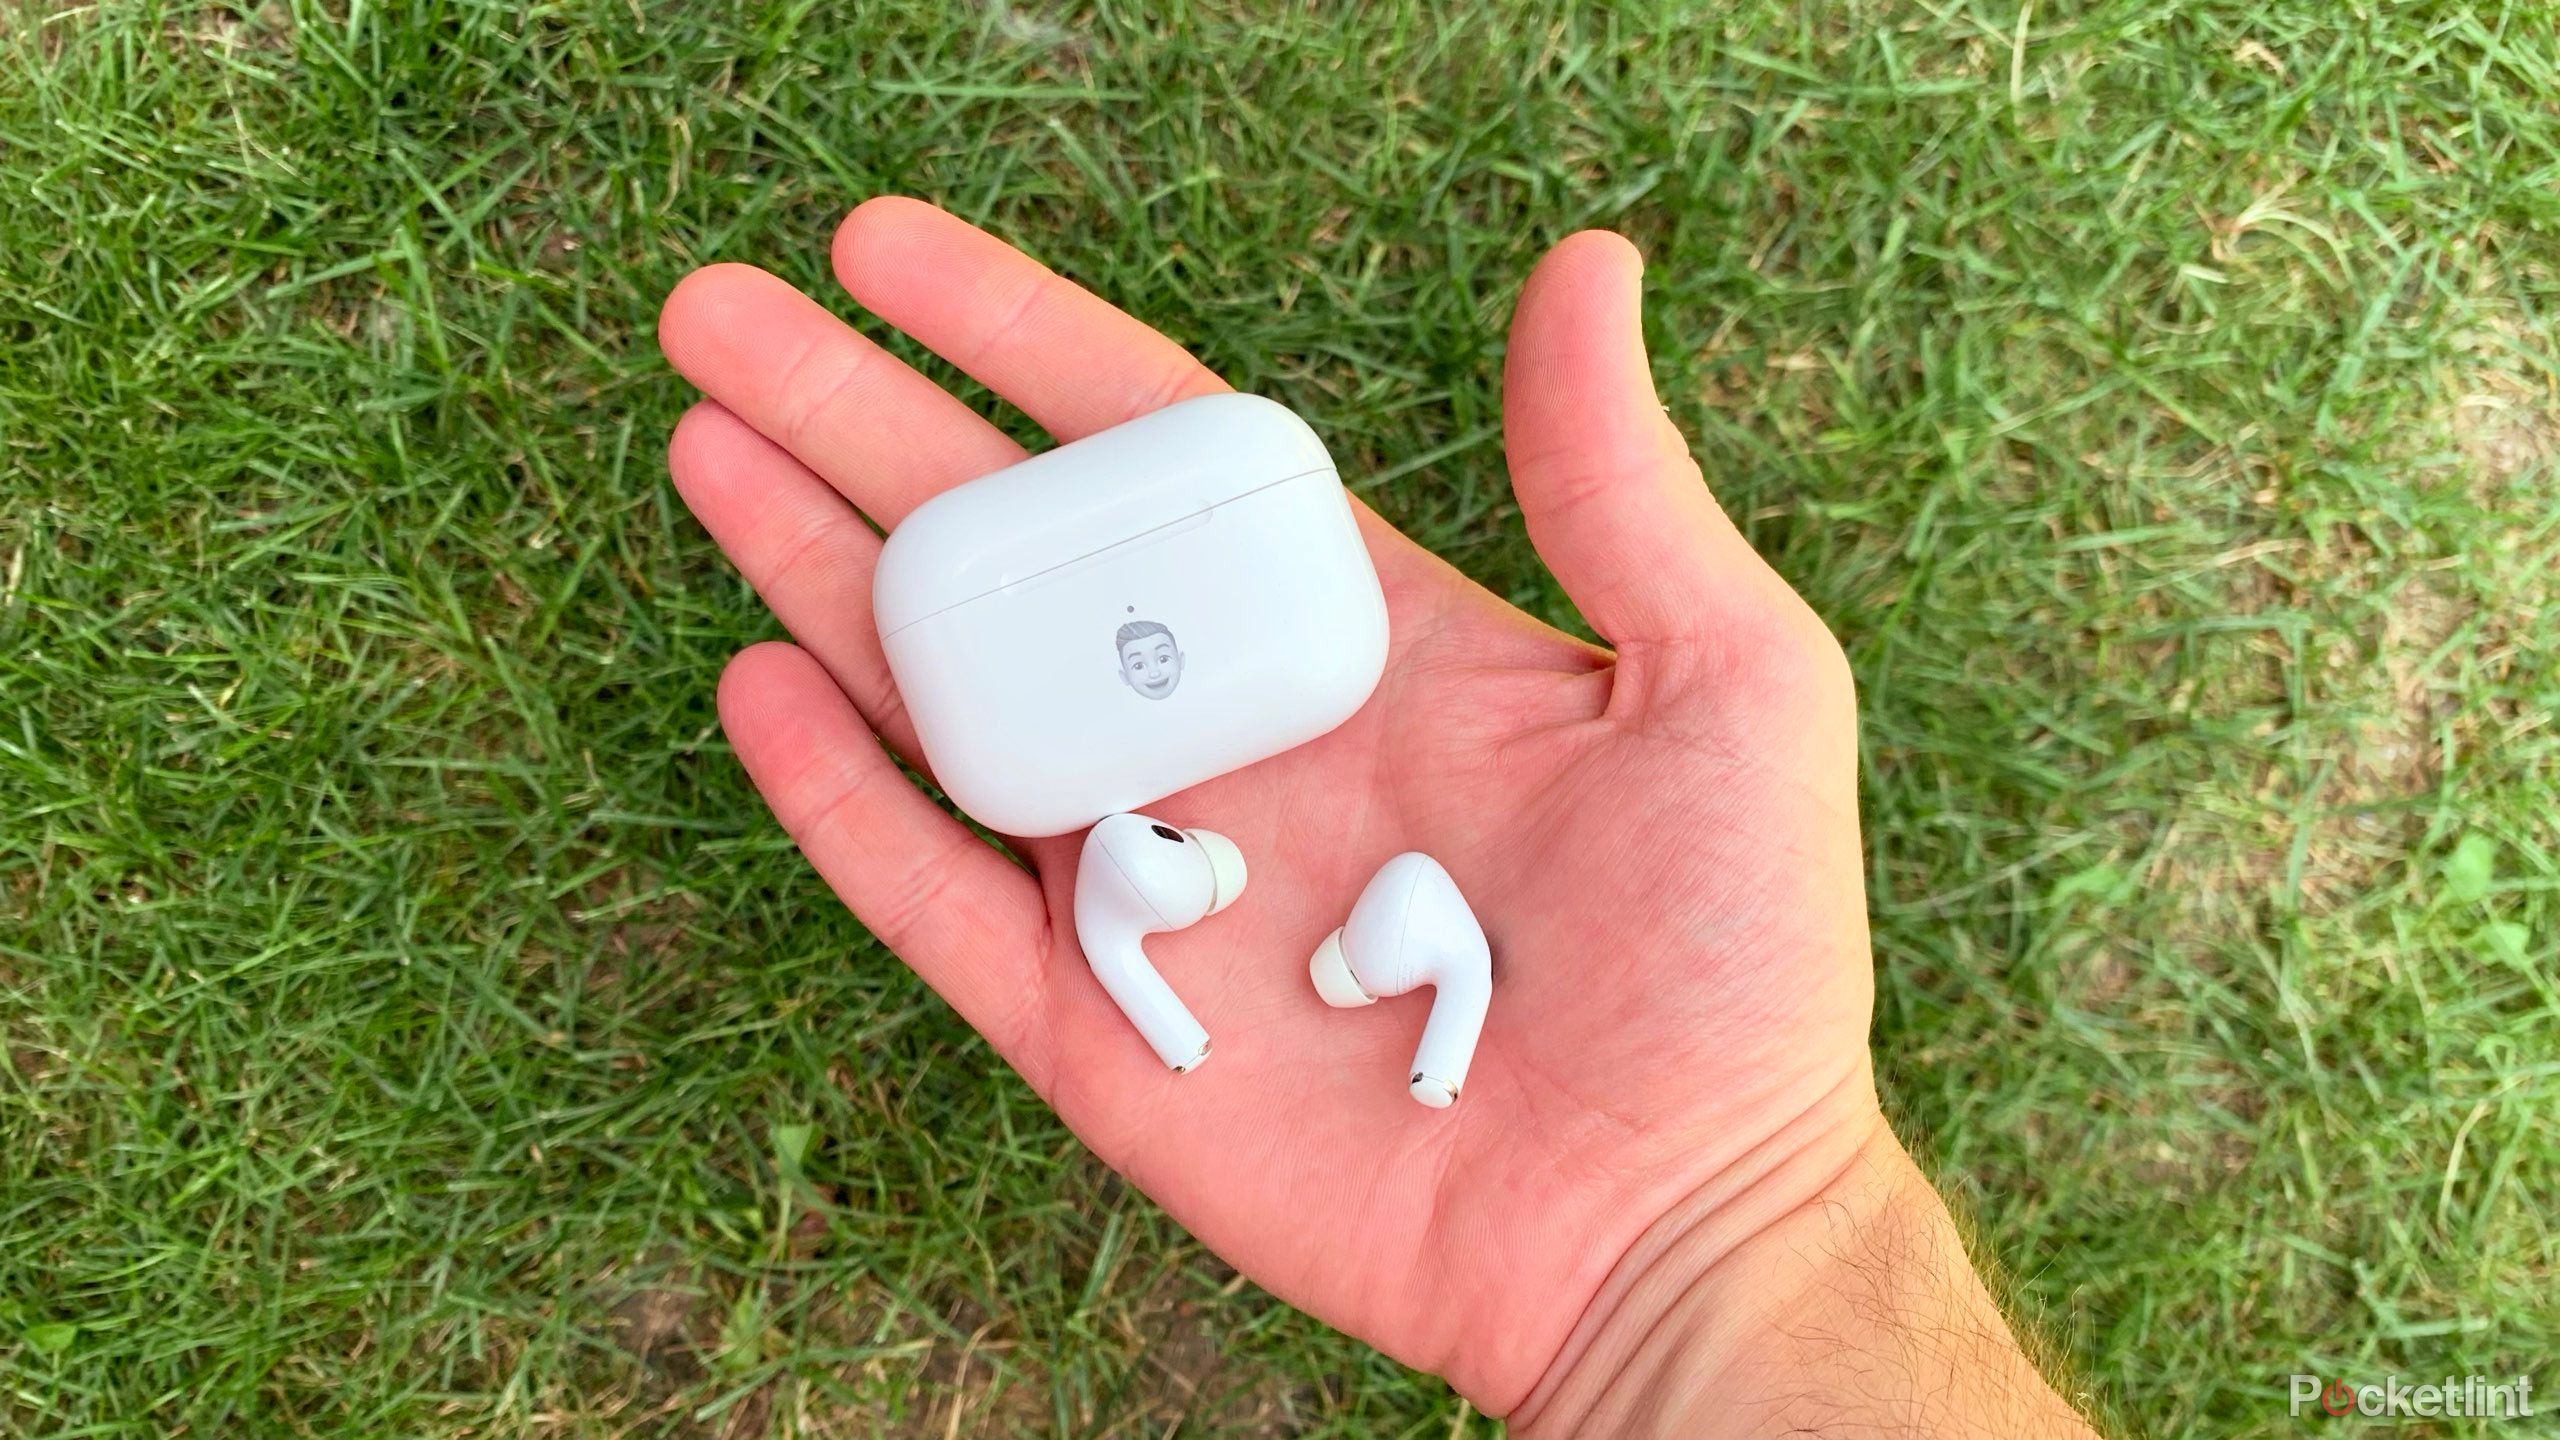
1226 867
1331 971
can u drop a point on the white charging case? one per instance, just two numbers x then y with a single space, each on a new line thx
1130 614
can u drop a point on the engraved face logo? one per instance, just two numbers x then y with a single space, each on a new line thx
1150 661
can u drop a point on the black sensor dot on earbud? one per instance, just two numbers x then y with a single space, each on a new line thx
1167 832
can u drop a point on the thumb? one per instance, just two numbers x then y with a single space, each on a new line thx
1613 501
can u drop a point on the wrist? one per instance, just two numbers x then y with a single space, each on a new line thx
1818 1284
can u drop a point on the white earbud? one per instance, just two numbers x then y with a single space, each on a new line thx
1138 878
1411 927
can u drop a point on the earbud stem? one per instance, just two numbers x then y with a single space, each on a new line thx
1448 1045
1163 1021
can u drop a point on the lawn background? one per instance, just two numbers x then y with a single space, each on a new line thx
414 1024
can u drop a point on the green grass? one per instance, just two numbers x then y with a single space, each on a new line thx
415 1026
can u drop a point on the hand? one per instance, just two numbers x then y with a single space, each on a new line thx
1661 839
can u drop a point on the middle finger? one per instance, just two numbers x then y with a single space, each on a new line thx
885 437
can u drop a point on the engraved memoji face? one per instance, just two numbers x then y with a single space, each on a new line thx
1150 660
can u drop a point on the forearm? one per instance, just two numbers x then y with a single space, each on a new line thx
1751 1312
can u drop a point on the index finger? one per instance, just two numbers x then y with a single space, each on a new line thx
1066 357
1070 359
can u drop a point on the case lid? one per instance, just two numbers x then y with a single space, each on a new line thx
1065 504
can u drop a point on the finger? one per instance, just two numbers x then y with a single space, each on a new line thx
885 437
952 906
1069 359
1613 501
800 546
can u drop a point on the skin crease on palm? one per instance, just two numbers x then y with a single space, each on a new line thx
1660 839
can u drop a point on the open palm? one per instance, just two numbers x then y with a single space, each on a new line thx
1661 840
